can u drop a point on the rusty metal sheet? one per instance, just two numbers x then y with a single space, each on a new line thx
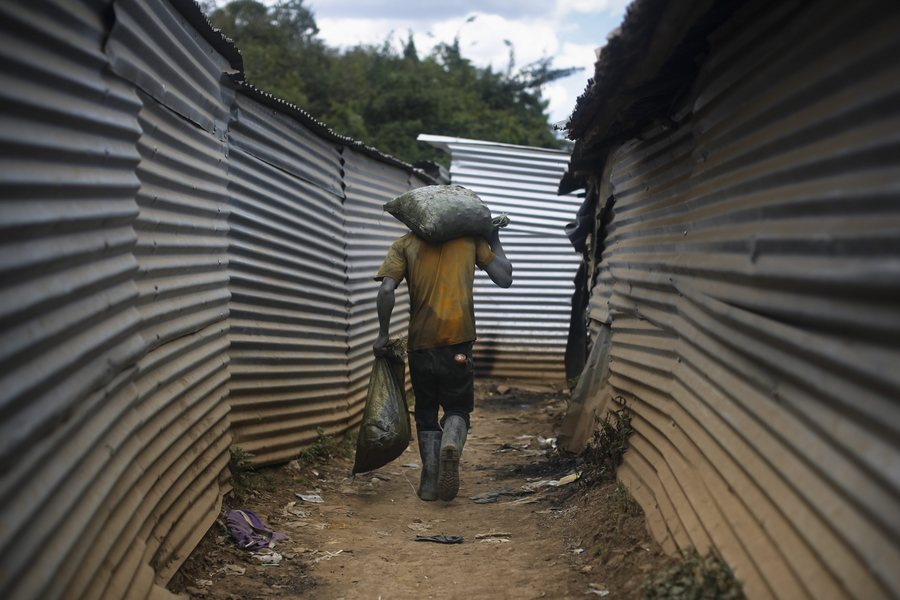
751 275
521 330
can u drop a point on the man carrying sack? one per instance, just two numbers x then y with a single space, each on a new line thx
440 275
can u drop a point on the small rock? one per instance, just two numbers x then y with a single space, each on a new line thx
503 389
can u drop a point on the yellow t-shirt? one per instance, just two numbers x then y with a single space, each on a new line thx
440 277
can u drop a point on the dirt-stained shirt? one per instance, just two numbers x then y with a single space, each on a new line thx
440 277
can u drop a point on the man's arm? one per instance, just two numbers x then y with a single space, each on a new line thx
385 305
500 269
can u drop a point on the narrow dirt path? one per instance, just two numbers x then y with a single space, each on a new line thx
564 541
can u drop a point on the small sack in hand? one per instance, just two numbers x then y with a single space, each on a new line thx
437 213
385 430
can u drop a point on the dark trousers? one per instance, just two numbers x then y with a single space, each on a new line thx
439 380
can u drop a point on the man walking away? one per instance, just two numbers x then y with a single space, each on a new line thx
441 332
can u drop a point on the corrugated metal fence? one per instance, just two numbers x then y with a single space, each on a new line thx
521 330
177 277
751 277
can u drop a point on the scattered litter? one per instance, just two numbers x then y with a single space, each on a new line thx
309 497
204 582
291 509
326 555
571 477
601 593
493 538
440 539
502 389
484 536
536 485
231 569
578 551
269 557
546 443
377 475
525 500
525 437
411 465
491 497
250 532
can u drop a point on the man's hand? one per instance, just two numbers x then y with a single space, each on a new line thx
385 306
379 348
500 269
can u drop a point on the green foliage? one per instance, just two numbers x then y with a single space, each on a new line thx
326 447
245 479
610 440
384 95
624 503
696 578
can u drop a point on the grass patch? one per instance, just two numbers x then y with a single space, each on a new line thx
245 479
610 441
326 447
695 578
623 502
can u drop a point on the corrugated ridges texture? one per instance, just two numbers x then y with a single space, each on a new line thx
370 232
521 330
289 303
69 322
119 187
754 264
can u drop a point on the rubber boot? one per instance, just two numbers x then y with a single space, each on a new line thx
429 450
452 443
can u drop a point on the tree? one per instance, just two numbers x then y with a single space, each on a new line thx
385 96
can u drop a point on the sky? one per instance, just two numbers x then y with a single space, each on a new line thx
569 31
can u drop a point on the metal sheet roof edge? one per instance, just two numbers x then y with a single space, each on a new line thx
635 67
194 15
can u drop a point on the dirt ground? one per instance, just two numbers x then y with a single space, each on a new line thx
570 540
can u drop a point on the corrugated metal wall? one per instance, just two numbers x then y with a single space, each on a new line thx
521 330
287 267
753 261
182 435
174 254
369 233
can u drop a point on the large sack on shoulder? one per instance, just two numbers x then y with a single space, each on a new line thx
385 431
437 213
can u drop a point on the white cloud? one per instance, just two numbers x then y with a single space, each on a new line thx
540 29
564 7
482 40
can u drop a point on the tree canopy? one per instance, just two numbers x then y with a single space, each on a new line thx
385 95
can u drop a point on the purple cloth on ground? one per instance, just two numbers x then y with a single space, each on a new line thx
249 531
